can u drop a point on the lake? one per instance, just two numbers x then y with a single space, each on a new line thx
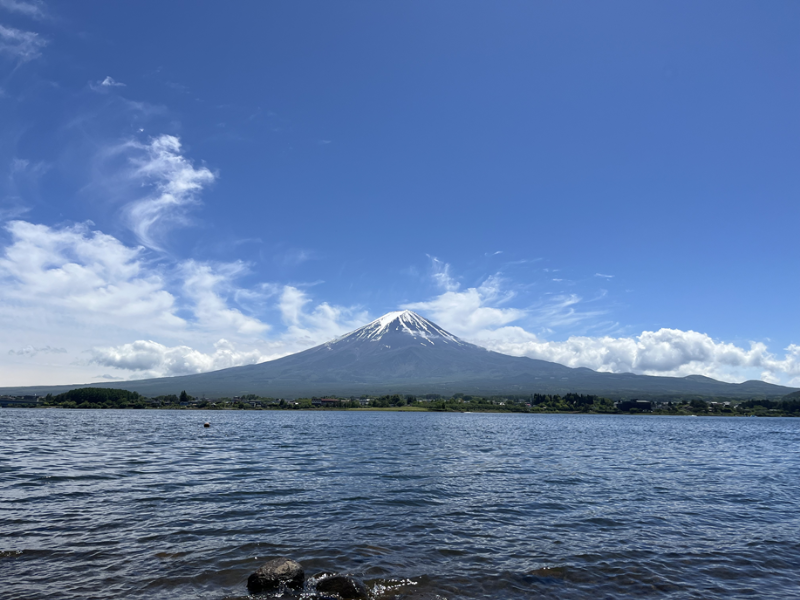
150 504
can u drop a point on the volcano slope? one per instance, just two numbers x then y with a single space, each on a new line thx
402 352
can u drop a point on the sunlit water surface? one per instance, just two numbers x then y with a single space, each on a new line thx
150 504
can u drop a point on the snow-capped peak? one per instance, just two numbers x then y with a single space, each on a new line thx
404 322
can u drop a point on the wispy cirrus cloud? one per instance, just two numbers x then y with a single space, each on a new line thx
207 287
467 311
31 351
20 45
440 273
562 310
294 257
306 328
30 8
175 183
21 176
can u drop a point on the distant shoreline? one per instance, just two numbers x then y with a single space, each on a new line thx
571 403
416 410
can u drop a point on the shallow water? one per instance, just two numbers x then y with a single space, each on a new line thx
149 504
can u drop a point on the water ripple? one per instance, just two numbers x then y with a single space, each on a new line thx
143 504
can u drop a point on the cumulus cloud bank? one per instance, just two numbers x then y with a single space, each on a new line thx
75 285
304 328
89 275
152 359
72 284
479 315
470 310
666 352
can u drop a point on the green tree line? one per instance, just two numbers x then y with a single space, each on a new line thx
531 403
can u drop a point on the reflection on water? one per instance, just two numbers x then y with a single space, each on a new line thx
149 504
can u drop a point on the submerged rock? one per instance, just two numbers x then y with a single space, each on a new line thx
275 572
346 587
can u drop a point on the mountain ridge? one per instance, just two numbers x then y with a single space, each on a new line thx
403 352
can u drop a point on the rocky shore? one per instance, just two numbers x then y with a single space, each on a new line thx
282 577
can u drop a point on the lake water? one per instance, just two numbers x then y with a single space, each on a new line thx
150 504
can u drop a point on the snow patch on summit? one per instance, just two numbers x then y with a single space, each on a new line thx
402 321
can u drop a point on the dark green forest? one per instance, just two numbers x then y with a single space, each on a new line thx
100 398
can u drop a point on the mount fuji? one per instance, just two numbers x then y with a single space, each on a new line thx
402 352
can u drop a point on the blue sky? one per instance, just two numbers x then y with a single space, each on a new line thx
187 186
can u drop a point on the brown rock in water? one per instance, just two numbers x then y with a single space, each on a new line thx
275 572
346 587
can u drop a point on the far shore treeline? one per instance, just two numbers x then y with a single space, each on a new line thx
99 398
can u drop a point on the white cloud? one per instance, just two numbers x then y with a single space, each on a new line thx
176 184
305 328
293 257
151 359
441 275
22 45
479 315
205 286
32 9
13 209
73 287
666 352
18 176
89 275
31 351
469 311
110 82
563 310
325 322
22 169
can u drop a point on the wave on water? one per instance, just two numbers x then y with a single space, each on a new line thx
146 504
